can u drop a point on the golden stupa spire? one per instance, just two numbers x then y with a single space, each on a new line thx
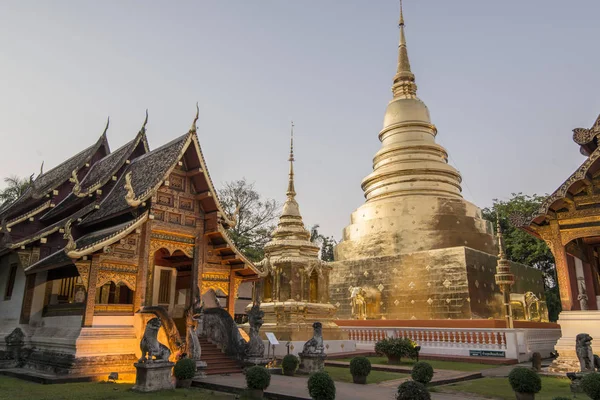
501 254
291 191
404 81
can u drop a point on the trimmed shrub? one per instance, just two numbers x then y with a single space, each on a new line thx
396 348
290 364
321 386
524 380
411 390
590 384
258 377
422 372
185 368
360 366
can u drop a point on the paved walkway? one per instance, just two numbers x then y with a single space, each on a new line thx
440 376
295 387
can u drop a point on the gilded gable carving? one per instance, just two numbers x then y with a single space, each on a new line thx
117 273
177 182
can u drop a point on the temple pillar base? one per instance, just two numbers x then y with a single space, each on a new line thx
153 376
571 324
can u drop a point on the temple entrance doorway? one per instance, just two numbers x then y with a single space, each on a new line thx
173 284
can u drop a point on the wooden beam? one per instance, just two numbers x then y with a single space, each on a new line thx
194 172
203 195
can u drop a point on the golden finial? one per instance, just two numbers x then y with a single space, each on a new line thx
401 22
143 130
501 254
291 191
76 184
106 127
68 236
41 169
404 81
193 127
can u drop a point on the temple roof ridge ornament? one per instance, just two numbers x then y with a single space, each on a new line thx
193 127
587 138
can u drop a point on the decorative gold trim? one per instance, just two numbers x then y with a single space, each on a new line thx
29 214
130 195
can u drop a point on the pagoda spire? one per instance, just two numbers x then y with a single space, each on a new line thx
501 254
504 277
291 191
404 85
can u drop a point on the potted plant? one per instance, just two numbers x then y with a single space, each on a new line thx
321 386
411 390
290 364
257 380
422 372
590 384
396 348
360 368
525 383
184 372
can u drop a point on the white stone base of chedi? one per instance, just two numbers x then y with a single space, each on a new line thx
573 323
153 376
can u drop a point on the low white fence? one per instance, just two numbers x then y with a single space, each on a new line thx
485 342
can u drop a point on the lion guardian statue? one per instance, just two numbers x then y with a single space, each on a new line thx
315 344
583 348
151 346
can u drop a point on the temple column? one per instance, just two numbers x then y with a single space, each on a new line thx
231 295
90 299
27 298
143 265
197 265
554 241
302 285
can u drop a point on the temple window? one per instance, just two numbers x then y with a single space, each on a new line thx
111 293
66 290
314 287
10 283
164 288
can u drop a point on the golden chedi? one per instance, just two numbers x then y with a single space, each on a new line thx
294 289
415 249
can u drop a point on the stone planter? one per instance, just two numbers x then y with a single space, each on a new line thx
360 379
525 396
183 383
393 359
255 393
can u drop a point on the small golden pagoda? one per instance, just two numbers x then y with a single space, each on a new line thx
294 289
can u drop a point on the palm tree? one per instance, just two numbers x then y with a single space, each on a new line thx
15 187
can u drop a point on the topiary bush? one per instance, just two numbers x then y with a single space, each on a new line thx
411 390
590 384
321 386
422 372
396 348
524 380
290 364
185 368
360 366
258 378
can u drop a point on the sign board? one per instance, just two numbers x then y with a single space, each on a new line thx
487 353
272 339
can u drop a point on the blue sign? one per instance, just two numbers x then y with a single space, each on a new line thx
487 353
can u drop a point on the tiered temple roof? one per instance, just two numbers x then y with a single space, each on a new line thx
97 197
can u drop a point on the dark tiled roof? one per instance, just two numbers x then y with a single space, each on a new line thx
60 224
147 172
56 176
54 260
99 174
60 258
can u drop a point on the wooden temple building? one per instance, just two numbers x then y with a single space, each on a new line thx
101 236
569 222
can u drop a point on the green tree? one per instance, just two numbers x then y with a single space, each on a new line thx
15 187
255 217
524 248
327 244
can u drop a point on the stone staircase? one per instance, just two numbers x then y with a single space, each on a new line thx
217 362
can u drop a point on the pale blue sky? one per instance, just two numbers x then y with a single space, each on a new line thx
505 82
